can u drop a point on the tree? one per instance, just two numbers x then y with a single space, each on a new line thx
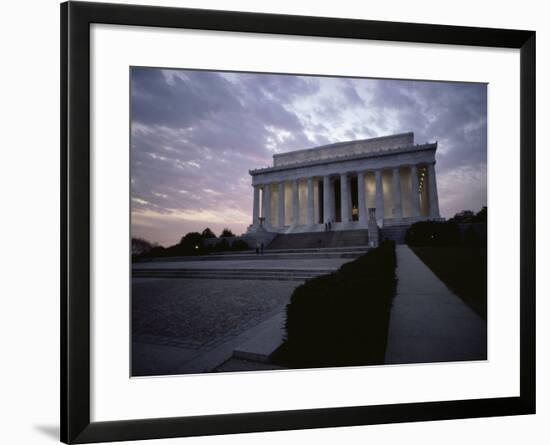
222 246
141 246
191 242
207 233
240 245
465 216
226 232
481 216
468 216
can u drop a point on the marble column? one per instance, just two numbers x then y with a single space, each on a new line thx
350 201
361 198
309 201
415 196
327 210
295 203
256 205
332 194
398 213
267 204
344 198
432 192
319 206
379 195
281 204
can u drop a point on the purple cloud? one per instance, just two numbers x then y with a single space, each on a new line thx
195 135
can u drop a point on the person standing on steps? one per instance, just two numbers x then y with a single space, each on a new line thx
262 248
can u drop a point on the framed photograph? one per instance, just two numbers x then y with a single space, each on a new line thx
278 222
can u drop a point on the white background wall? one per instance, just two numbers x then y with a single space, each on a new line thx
29 80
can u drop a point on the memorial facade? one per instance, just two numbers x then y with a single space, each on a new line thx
337 184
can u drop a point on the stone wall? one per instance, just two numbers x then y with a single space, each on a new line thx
394 233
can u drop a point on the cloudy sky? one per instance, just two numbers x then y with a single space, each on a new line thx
195 135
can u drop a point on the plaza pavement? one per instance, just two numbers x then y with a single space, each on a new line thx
193 325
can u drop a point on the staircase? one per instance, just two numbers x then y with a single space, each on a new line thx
269 254
279 274
313 240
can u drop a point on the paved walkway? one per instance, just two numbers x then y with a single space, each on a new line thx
428 322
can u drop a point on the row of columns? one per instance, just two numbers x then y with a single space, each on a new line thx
345 201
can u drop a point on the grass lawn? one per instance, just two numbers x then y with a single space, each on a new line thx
462 269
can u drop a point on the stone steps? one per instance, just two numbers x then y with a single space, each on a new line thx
320 240
350 249
267 255
232 274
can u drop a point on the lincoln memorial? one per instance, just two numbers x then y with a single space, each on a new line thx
305 190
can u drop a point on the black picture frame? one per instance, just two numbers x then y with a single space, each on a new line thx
76 18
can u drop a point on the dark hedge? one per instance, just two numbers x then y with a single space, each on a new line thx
342 319
433 233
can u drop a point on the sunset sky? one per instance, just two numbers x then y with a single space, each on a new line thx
195 135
